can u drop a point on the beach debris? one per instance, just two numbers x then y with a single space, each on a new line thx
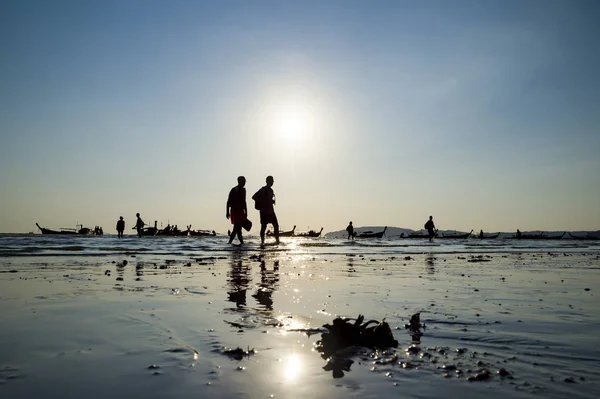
238 353
184 349
478 258
342 334
337 365
107 272
481 375
415 324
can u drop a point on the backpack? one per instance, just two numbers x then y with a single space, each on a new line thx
259 199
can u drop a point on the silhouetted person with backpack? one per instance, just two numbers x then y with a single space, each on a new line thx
236 209
430 227
264 199
120 227
139 225
350 230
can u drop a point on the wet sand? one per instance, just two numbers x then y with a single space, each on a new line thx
161 327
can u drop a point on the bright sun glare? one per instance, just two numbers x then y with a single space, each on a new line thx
292 122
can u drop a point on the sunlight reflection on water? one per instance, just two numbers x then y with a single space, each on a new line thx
292 368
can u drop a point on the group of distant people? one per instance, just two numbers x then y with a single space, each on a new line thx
237 210
264 202
429 226
139 226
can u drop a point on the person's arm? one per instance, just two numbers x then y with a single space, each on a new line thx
227 206
245 206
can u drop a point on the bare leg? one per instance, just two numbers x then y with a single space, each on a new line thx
237 231
276 228
263 228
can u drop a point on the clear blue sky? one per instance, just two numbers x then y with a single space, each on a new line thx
485 114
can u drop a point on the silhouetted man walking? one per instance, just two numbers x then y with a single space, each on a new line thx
264 200
236 209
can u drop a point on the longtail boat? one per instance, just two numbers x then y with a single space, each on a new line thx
488 236
67 231
540 236
421 235
310 234
455 236
150 231
173 231
585 238
283 233
370 234
202 233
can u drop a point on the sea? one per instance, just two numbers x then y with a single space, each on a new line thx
21 247
188 317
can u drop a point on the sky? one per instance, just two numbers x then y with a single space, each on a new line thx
484 114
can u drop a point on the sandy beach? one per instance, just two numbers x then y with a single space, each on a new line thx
166 326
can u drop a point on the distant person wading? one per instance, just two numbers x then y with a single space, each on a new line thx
236 209
350 230
264 201
120 227
430 227
139 225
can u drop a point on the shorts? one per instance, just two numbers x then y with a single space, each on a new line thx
237 216
268 217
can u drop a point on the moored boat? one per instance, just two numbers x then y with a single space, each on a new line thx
68 231
310 234
370 234
283 233
173 231
487 236
421 235
540 236
202 233
585 238
150 231
455 236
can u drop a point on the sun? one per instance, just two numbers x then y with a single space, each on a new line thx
292 122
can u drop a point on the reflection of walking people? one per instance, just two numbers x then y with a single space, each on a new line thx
120 227
430 227
139 225
350 230
264 199
236 209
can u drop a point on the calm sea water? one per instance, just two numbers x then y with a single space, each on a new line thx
79 322
23 246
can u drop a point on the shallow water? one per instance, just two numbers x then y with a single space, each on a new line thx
77 323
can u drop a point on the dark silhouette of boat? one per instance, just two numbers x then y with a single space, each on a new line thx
540 236
202 233
67 231
370 234
421 235
585 238
455 236
283 233
173 231
310 234
488 236
150 231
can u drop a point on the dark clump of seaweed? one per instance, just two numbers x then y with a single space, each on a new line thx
238 353
349 332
